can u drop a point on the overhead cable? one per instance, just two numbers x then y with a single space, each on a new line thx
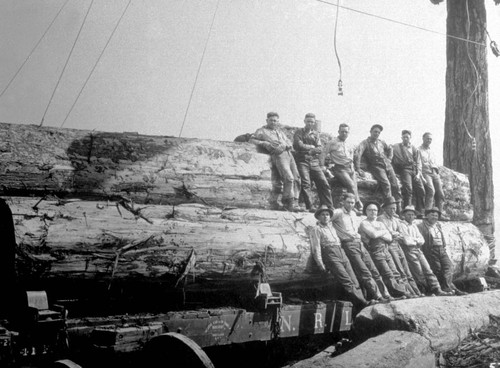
403 23
199 66
33 49
95 65
66 63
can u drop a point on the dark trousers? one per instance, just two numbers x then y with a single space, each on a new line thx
419 267
346 177
441 266
409 183
383 261
402 266
337 263
310 170
386 178
365 269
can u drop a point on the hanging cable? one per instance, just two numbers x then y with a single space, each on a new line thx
95 65
340 92
476 73
199 67
33 49
402 23
66 63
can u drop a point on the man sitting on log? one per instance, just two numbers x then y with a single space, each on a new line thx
340 155
346 222
376 238
434 249
271 139
308 149
329 255
392 222
378 155
434 195
412 243
408 165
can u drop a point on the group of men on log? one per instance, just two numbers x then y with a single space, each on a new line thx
382 256
295 164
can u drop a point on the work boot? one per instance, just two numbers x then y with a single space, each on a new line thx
274 206
439 292
291 205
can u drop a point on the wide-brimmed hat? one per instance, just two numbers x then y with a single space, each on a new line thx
433 209
409 208
365 206
321 209
388 201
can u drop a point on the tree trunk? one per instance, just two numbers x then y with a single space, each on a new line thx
467 107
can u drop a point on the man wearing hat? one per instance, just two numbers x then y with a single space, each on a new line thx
378 155
346 222
412 243
308 149
329 255
392 222
407 164
434 249
376 238
272 140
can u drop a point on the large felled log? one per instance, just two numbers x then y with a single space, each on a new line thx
155 169
194 246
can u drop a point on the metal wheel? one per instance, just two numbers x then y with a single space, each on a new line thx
175 350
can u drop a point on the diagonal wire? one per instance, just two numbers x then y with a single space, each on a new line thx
95 65
402 23
199 67
66 63
33 50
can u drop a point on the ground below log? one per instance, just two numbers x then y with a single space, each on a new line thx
480 349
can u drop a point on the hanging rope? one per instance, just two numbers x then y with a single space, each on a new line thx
95 65
33 50
199 67
340 93
476 73
66 63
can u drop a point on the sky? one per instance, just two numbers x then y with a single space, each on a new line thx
262 55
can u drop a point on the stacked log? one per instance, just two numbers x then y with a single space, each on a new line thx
103 211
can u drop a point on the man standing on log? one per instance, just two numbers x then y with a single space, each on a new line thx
408 165
434 195
378 155
392 222
434 249
346 222
340 155
271 139
376 238
419 267
329 256
308 148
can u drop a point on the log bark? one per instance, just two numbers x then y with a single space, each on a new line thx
467 106
156 170
191 246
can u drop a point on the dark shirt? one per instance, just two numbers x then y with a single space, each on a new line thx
303 142
406 158
376 153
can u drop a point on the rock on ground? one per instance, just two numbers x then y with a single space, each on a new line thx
444 321
393 349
